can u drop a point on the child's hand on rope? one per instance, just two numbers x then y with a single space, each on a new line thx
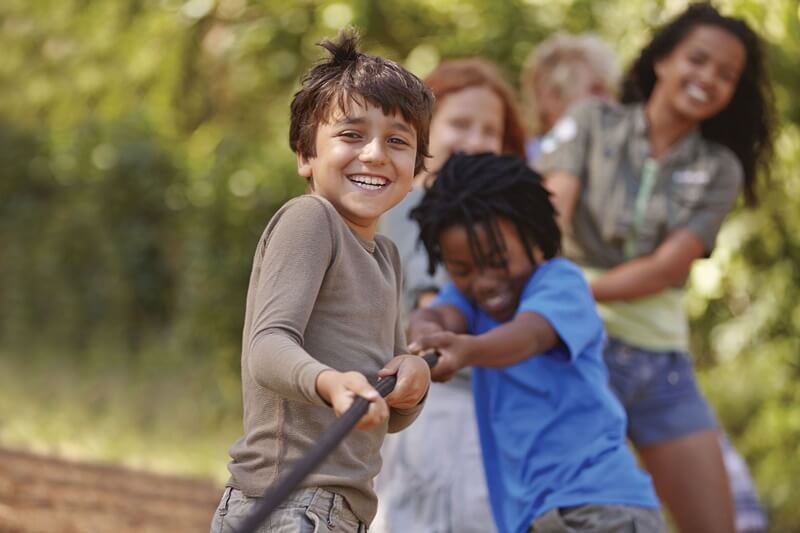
454 350
413 380
339 389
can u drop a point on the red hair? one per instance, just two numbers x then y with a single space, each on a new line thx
458 74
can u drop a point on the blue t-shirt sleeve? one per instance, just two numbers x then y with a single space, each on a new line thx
559 292
449 295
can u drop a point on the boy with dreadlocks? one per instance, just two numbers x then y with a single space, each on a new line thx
322 320
552 433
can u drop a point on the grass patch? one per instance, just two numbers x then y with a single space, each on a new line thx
156 411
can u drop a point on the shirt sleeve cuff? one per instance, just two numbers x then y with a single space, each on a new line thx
400 419
308 381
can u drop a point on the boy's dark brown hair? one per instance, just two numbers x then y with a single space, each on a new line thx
349 76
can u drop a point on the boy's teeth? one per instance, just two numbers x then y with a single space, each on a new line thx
495 300
369 182
372 180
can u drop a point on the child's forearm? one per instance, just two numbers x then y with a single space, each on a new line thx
424 321
668 266
508 344
433 319
279 363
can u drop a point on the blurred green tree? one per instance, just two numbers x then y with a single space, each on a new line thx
143 149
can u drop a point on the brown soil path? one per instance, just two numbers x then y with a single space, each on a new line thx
43 494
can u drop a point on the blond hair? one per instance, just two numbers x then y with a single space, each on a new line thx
558 61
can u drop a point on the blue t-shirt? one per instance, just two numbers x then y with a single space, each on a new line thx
552 432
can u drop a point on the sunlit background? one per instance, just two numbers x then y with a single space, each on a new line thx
143 147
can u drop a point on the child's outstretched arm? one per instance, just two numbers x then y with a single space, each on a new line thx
527 333
429 321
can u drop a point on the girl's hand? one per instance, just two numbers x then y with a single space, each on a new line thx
340 389
454 352
413 380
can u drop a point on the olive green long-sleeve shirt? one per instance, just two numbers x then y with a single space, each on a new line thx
320 297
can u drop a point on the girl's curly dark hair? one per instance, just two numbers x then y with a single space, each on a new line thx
472 190
747 124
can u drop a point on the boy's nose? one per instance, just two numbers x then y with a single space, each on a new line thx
484 284
373 152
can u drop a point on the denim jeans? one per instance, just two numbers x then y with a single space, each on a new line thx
600 519
311 510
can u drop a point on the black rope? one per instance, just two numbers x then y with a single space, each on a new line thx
275 495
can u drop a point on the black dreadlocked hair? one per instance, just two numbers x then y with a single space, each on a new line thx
472 190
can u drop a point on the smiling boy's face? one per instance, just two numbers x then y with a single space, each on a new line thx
496 286
364 164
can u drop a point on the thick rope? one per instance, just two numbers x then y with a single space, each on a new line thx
277 493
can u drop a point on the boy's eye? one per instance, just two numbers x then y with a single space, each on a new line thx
349 134
456 270
496 260
398 140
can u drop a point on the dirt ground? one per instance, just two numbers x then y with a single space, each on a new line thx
42 494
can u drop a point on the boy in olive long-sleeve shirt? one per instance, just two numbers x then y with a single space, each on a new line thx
323 317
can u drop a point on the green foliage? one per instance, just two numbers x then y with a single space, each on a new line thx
155 412
143 149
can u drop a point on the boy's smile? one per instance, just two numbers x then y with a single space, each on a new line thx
364 164
496 286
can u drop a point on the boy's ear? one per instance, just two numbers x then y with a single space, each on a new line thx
303 166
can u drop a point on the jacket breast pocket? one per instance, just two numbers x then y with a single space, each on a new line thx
688 187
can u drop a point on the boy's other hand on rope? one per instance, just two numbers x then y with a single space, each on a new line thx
413 380
339 389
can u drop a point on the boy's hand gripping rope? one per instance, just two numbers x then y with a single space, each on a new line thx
324 446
